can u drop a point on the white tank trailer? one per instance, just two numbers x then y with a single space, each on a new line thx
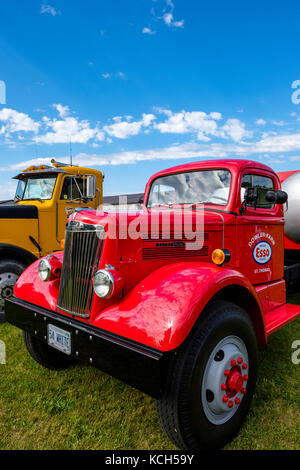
291 185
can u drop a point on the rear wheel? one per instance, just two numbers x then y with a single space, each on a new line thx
211 380
46 355
10 271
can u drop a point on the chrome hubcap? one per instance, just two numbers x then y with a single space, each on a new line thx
225 380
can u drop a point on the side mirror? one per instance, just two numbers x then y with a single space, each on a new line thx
263 197
276 196
251 196
90 187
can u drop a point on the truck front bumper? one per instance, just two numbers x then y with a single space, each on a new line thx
134 363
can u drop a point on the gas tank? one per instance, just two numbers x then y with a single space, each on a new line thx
290 183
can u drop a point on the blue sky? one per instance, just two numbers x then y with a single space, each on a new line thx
140 85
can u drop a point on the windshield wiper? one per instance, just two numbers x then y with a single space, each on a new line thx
33 199
195 204
161 205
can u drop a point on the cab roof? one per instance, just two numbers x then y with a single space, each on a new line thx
57 168
228 164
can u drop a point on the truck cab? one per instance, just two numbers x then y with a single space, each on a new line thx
173 299
33 224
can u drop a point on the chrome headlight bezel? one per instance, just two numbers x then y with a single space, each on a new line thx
45 266
106 276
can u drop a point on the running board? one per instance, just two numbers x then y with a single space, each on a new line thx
280 316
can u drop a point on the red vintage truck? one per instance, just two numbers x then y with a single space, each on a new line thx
174 299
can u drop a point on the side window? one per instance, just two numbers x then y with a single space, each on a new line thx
73 189
263 184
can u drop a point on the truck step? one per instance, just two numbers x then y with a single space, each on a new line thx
280 316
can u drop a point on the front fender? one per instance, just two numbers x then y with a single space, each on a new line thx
162 309
31 288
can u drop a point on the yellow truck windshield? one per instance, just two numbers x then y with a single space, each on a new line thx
36 188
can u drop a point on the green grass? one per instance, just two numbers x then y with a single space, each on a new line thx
83 408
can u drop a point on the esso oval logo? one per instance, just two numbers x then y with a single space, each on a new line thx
262 252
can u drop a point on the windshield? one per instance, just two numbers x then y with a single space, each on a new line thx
205 186
35 188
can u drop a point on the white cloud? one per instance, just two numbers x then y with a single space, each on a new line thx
63 111
169 21
110 75
170 4
122 129
260 122
50 10
148 31
68 129
8 190
236 129
178 24
168 16
272 149
208 128
278 123
16 122
189 122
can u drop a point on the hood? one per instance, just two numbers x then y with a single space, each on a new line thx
158 222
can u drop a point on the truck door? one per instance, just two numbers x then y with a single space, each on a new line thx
259 237
74 194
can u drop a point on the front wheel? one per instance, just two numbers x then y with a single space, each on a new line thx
211 380
10 271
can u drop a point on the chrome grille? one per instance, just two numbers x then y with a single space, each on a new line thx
83 247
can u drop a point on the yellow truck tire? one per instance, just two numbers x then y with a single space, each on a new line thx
10 270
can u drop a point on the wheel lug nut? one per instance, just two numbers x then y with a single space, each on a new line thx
233 363
246 377
230 404
240 360
237 401
243 391
225 399
244 366
223 387
226 372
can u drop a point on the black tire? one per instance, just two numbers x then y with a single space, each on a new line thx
181 410
10 271
45 355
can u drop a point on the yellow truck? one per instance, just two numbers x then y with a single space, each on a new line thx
33 224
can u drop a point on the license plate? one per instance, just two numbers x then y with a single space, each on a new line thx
59 339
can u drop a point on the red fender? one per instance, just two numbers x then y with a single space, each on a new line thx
162 309
31 288
159 312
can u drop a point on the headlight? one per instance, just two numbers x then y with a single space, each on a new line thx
45 270
50 268
103 283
